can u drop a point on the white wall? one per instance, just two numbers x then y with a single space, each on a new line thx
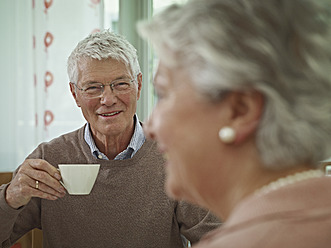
23 99
7 134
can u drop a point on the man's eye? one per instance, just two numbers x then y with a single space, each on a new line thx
121 85
93 88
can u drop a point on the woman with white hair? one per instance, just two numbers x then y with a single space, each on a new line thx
244 116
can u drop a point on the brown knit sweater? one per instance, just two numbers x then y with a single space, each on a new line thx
126 208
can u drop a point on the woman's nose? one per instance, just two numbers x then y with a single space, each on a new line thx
148 128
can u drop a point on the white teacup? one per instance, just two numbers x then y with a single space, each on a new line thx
78 179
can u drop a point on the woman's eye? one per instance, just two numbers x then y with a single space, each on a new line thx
159 95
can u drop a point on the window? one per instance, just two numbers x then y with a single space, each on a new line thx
111 13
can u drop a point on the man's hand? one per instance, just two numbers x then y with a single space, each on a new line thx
35 178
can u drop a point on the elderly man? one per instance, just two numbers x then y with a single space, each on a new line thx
127 206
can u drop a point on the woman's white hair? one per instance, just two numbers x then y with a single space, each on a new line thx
101 46
280 48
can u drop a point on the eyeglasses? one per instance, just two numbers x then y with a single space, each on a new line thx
95 90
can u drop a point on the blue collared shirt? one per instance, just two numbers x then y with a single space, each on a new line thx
136 142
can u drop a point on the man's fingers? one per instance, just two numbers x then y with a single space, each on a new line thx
35 188
24 184
40 171
44 191
41 194
43 165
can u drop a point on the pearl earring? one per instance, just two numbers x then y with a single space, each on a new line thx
227 135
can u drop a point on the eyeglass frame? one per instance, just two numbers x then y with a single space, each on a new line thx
111 84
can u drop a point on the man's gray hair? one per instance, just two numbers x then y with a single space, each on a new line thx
280 48
103 45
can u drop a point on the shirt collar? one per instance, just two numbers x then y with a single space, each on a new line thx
137 140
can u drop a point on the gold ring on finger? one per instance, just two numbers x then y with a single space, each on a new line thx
37 184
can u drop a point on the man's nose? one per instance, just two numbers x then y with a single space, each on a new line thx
108 97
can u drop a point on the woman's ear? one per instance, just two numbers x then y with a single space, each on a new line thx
247 110
73 93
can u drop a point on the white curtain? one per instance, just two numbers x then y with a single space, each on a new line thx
37 38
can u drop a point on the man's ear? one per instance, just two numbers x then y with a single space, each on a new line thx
247 110
73 93
139 81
